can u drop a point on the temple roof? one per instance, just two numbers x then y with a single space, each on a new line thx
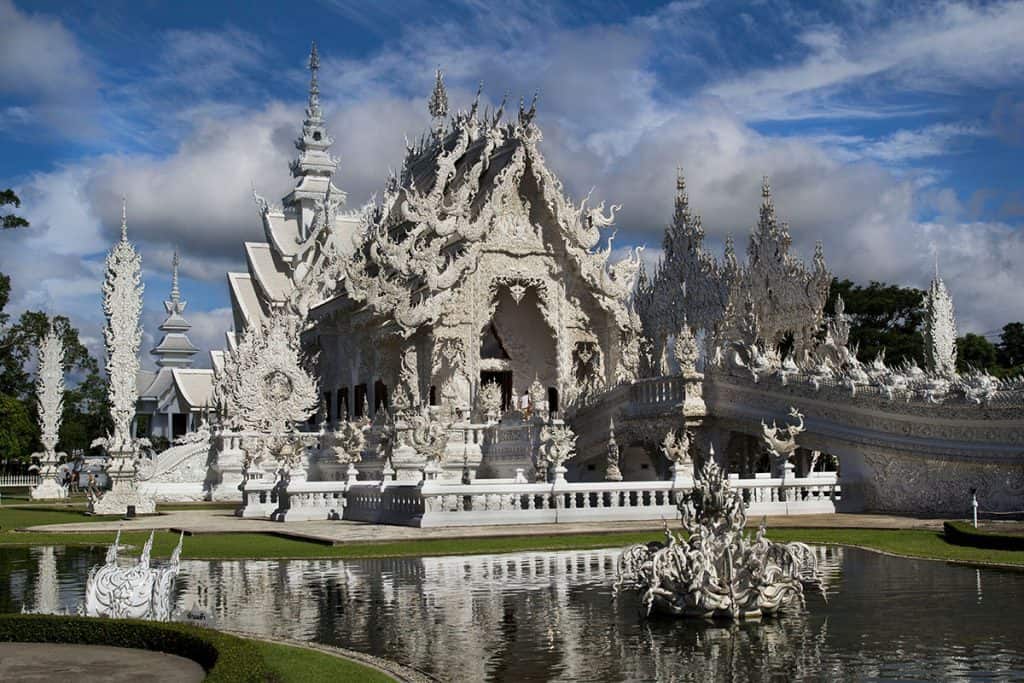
269 271
175 349
153 385
245 300
194 386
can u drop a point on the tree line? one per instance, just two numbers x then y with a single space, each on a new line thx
889 317
86 414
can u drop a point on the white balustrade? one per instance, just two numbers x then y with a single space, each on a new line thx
19 480
488 502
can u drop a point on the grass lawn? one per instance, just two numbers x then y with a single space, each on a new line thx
302 665
912 543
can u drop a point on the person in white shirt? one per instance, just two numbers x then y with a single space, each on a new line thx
524 403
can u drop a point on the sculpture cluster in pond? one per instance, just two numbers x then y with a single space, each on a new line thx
139 592
715 570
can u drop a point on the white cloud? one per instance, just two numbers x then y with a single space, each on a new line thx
42 65
940 47
607 125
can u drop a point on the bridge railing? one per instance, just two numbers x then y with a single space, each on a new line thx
485 502
658 391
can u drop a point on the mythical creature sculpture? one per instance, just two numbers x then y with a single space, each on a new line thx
139 592
781 442
676 449
559 445
714 570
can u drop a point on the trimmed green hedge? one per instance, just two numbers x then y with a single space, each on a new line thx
226 658
962 533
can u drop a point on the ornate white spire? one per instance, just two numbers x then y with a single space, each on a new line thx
122 304
314 166
50 388
313 110
50 405
175 291
175 349
124 218
940 329
438 104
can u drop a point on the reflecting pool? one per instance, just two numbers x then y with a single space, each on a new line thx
551 616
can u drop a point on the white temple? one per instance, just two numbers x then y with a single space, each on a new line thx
473 351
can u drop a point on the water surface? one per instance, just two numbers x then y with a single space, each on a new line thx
551 616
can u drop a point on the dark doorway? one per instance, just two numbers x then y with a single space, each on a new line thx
360 401
179 424
552 400
343 407
504 380
380 396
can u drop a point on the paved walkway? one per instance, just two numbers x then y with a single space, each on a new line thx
38 662
206 521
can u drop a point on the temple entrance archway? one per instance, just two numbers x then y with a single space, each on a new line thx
517 345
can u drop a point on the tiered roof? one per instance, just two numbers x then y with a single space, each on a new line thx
175 350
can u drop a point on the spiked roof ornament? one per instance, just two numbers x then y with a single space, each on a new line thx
438 98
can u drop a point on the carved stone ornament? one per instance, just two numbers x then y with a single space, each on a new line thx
489 401
264 385
781 442
122 304
559 443
138 592
612 471
50 406
714 570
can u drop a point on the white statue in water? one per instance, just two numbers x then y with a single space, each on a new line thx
138 592
714 569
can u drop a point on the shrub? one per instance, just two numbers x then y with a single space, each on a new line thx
962 533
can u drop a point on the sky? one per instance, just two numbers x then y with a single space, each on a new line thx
892 132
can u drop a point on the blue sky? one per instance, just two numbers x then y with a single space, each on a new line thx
890 131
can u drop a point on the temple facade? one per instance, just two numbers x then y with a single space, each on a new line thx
475 287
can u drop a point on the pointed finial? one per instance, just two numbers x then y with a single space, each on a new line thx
314 85
766 191
124 218
175 291
438 104
680 181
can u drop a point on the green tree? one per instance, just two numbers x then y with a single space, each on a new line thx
85 409
9 219
1011 345
882 316
18 431
975 352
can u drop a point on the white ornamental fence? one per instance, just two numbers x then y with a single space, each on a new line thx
435 503
19 480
